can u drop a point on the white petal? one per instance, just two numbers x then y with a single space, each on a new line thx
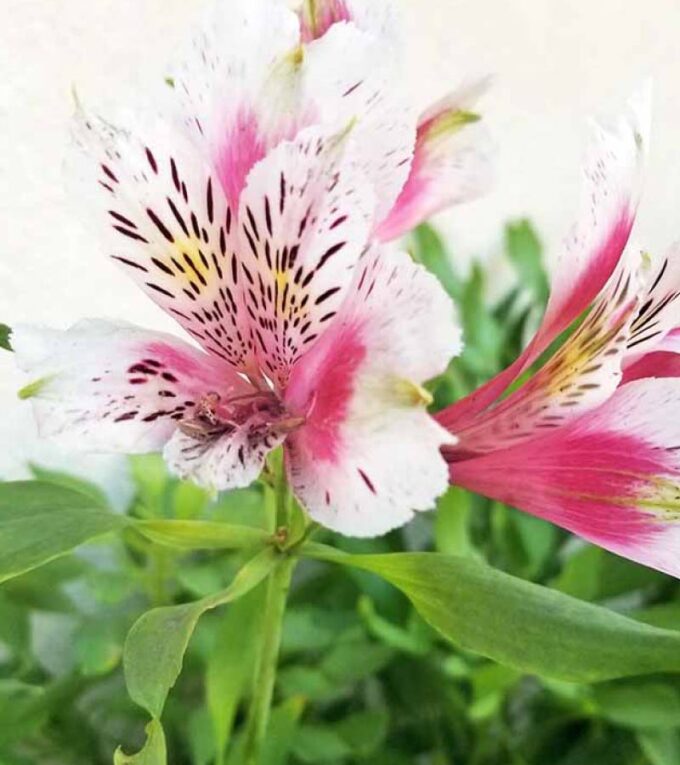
352 78
659 312
235 84
368 456
232 461
305 217
104 386
160 212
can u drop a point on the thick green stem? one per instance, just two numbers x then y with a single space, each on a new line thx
270 638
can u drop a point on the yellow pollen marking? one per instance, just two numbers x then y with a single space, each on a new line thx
297 56
189 247
409 393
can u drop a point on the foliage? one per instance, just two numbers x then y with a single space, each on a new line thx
384 658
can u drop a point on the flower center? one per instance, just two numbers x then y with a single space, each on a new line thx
261 413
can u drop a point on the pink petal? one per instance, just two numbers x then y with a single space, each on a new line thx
368 455
375 16
452 163
581 375
655 364
114 387
612 476
612 171
248 83
305 218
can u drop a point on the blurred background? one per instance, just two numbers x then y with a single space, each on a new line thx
554 65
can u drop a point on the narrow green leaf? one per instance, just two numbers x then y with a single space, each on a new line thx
428 249
451 533
231 663
390 634
5 333
201 535
283 726
153 753
524 250
23 710
155 646
639 705
517 623
40 521
661 747
70 482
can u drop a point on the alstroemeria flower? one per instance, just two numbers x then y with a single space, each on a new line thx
592 440
249 213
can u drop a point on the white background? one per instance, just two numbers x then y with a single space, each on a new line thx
555 63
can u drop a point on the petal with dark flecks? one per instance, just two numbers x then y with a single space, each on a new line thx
305 218
612 179
160 212
580 376
368 455
612 476
114 387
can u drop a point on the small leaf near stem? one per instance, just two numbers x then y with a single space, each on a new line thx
270 630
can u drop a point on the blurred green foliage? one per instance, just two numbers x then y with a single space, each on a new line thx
362 678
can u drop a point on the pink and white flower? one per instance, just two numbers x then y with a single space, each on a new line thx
253 212
591 441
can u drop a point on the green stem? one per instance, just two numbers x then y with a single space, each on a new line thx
271 625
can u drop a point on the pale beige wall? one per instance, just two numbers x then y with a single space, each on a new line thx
555 62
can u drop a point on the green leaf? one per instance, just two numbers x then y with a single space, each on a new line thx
358 735
428 249
592 573
451 533
390 634
665 615
201 535
484 336
639 705
517 623
97 648
5 333
661 747
40 521
283 726
524 251
363 732
231 663
153 753
70 482
199 736
22 710
155 646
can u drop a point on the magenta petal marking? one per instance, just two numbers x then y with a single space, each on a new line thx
561 312
326 13
243 147
656 364
321 388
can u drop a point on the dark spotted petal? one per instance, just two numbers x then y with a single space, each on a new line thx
113 387
305 217
167 224
583 374
368 455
